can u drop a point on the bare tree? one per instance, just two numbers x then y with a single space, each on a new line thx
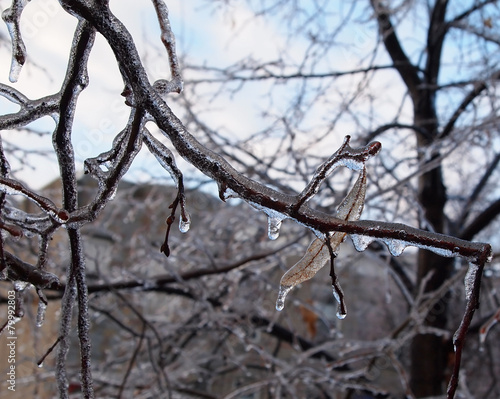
438 139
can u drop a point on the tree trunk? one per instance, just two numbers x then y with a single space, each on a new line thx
429 353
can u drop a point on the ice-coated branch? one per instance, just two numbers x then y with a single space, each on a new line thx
472 290
166 160
19 270
108 168
11 186
75 81
12 18
353 159
168 39
216 167
147 104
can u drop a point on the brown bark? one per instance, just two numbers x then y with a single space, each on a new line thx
429 352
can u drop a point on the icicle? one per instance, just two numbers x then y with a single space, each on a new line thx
274 219
15 70
361 242
184 223
40 315
396 247
273 228
12 17
280 302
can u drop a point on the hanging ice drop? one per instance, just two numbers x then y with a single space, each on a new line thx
396 247
184 223
280 302
361 242
273 227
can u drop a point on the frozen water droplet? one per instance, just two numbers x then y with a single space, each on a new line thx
341 315
40 315
184 223
15 70
396 247
274 220
280 302
361 242
273 229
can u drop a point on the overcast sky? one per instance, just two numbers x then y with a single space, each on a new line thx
205 35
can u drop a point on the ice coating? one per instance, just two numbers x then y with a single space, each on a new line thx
318 254
470 278
12 17
40 314
273 227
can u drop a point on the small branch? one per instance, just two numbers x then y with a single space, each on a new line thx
478 189
345 156
166 160
478 88
168 39
12 17
472 295
338 293
49 351
132 361
11 186
17 270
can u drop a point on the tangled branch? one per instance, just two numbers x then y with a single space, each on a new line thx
147 103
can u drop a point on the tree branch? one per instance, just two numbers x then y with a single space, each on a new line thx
407 71
216 167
